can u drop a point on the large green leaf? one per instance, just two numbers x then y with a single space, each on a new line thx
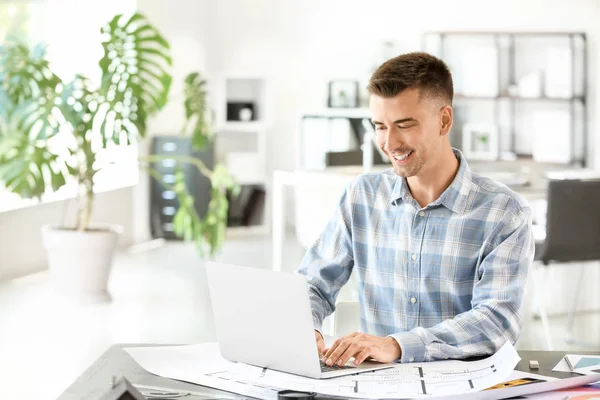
29 119
197 113
29 167
135 82
28 92
25 74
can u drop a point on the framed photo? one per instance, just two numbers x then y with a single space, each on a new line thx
343 94
480 141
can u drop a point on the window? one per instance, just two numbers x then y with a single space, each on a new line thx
71 30
14 18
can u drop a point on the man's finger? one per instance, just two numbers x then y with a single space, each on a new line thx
337 352
333 347
337 343
362 356
330 350
351 351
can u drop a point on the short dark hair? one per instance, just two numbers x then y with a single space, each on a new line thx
413 70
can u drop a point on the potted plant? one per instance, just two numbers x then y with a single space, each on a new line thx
52 133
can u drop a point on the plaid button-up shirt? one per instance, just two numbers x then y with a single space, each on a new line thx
445 280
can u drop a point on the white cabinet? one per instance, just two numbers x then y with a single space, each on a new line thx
242 123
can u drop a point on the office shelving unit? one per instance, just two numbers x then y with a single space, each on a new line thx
490 69
239 143
242 123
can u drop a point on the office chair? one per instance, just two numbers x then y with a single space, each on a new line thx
572 235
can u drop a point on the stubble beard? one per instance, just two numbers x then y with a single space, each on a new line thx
409 170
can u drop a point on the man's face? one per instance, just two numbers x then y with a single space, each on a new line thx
409 130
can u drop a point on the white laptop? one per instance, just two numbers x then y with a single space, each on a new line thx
264 318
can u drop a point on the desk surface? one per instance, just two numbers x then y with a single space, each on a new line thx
96 380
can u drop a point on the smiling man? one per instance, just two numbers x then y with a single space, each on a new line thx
441 254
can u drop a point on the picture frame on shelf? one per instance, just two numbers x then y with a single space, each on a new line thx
343 94
480 141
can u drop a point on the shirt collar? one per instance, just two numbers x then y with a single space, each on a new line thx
455 197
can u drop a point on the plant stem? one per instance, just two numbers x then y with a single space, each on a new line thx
86 158
156 175
86 203
186 159
88 206
185 128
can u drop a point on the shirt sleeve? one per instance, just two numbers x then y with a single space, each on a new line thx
328 264
495 316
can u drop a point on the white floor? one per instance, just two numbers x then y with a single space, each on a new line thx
159 296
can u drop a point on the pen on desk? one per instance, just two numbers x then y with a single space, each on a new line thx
568 363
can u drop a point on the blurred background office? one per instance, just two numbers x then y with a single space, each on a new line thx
286 83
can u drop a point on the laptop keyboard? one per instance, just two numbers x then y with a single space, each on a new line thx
334 367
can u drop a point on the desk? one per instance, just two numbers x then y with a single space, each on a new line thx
115 361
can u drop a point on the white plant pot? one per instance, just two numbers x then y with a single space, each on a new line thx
80 262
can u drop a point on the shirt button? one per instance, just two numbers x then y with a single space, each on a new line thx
414 256
422 213
411 359
413 300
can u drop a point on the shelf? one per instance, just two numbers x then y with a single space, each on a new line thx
240 231
243 123
241 127
507 33
528 90
362 112
581 173
507 96
258 180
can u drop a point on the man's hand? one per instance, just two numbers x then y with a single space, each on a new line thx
320 343
361 346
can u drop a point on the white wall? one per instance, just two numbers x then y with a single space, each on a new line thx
21 250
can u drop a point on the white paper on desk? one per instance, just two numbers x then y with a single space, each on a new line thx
577 361
546 390
413 380
201 364
591 370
